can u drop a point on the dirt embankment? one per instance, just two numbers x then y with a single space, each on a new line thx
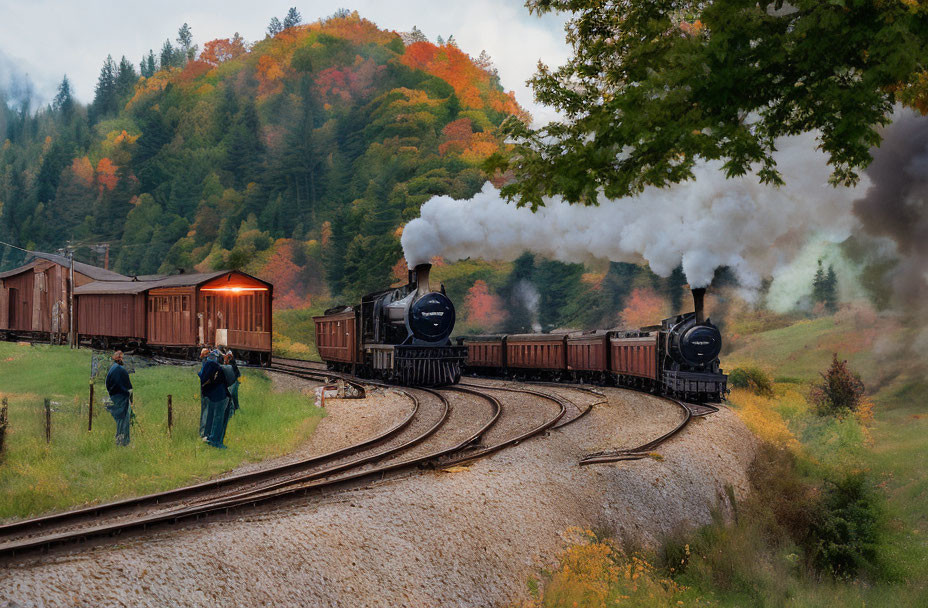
466 538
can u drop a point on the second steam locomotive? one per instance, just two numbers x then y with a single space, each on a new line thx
399 335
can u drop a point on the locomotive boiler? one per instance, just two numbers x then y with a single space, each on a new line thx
399 335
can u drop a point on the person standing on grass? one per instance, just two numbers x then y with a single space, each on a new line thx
205 419
119 388
221 417
232 373
213 388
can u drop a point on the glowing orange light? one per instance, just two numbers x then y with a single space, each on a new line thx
234 289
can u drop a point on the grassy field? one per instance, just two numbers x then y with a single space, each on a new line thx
80 467
758 560
295 334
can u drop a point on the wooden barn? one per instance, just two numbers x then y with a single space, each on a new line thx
34 298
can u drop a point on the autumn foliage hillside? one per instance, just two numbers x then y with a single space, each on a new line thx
296 157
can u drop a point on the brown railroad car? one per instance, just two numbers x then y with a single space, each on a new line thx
34 297
337 337
634 356
587 353
111 309
485 351
537 351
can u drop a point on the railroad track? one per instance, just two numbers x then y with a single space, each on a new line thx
370 460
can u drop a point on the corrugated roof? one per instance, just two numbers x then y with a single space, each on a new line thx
94 272
114 287
130 286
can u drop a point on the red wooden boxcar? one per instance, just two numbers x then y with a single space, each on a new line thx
634 356
111 309
337 337
587 353
537 351
486 351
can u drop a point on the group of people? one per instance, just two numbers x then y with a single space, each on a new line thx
219 376
218 395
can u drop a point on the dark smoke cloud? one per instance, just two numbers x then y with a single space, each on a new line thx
896 204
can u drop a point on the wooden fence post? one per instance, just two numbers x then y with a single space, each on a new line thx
48 421
3 423
90 409
170 415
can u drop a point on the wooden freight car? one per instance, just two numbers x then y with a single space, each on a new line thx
34 298
634 358
337 339
485 353
544 353
588 355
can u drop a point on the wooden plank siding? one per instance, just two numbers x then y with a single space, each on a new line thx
587 353
536 351
485 353
635 356
337 338
171 316
114 315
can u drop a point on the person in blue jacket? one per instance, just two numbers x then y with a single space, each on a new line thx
205 419
213 388
119 388
220 419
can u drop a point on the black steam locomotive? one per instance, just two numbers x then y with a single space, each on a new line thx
399 335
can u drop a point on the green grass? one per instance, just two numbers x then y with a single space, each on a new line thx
295 333
80 467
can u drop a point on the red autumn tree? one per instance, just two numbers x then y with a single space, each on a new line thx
222 49
484 309
644 307
106 174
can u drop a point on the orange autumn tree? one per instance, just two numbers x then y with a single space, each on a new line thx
285 275
484 309
644 307
223 49
106 174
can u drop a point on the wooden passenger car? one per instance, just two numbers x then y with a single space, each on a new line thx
111 311
546 352
34 298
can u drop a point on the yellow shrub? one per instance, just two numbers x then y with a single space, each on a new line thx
760 415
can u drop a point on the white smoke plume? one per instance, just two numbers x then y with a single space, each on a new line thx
705 223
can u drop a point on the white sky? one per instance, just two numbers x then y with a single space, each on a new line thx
49 38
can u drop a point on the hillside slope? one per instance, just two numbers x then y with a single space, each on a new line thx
297 158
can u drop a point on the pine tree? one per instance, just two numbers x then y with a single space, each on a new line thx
187 50
818 285
148 66
274 27
830 290
105 100
293 18
169 56
64 102
126 78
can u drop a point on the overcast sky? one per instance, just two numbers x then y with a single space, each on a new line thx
49 38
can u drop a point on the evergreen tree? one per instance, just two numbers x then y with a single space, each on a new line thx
274 27
830 290
187 50
64 102
169 55
148 66
126 78
106 99
293 18
818 285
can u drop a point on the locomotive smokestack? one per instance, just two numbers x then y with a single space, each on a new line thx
422 279
698 296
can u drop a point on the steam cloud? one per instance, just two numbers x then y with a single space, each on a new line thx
896 204
704 223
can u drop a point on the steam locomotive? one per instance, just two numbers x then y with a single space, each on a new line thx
399 335
678 358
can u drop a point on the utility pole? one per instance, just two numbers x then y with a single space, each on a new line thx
71 299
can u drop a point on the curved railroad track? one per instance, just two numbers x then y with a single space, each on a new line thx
414 443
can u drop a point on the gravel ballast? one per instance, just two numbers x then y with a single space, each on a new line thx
470 537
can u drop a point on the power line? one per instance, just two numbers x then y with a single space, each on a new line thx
15 247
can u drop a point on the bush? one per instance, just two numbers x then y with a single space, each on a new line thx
847 527
841 392
751 378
